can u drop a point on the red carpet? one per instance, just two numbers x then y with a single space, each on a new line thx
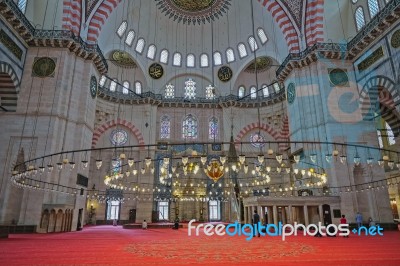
108 245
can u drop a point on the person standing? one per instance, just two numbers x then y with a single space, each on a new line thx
359 219
343 220
144 225
256 220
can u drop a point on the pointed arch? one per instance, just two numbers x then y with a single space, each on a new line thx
113 123
10 87
314 27
271 131
72 16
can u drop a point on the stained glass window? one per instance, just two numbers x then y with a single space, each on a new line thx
210 92
373 7
190 60
129 37
165 127
241 92
204 60
190 89
217 59
253 43
151 52
118 137
261 34
265 90
189 127
139 46
169 91
138 87
230 56
390 134
242 50
113 85
22 5
277 88
213 130
256 140
125 89
122 28
177 59
164 56
253 92
360 20
102 80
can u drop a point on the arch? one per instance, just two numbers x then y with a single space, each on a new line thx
10 87
99 18
382 90
72 15
314 22
52 221
285 24
103 128
59 221
44 221
271 131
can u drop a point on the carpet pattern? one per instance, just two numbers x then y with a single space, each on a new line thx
108 245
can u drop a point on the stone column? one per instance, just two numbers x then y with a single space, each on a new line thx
305 208
245 215
290 213
269 214
262 213
321 215
284 221
275 211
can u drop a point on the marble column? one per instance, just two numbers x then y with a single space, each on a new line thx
245 215
321 215
290 213
284 221
306 221
275 212
269 214
262 213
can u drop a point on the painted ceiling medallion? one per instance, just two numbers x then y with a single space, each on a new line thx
192 12
43 67
122 59
262 64
156 71
225 74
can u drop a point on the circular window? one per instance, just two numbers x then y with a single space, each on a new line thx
257 140
118 137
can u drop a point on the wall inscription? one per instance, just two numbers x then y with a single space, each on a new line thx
371 59
395 40
10 44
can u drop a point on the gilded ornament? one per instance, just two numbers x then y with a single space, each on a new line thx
371 59
10 44
225 74
43 67
395 40
122 59
261 64
156 71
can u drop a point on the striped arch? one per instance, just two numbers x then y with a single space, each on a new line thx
284 23
380 95
314 25
284 136
113 123
72 16
99 18
9 87
276 135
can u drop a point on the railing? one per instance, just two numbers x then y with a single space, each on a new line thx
55 34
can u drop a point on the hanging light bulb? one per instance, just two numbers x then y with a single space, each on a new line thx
270 151
385 158
268 169
398 165
222 159
343 159
143 170
203 159
152 170
166 160
257 168
242 158
131 162
370 160
147 161
260 158
328 157
50 168
122 156
391 164
127 173
303 171
313 157
246 168
59 166
234 167
72 165
41 169
288 170
357 160
114 163
296 171
134 171
278 169
335 152
381 162
296 158
173 168
279 158
185 159
84 164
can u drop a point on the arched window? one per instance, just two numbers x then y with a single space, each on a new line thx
261 34
190 60
140 45
204 60
165 127
122 28
138 87
189 127
265 90
210 92
242 50
102 80
169 91
164 56
230 56
253 44
390 134
190 89
151 52
360 20
241 92
213 130
22 5
129 37
217 59
373 7
113 85
253 92
177 59
276 86
125 89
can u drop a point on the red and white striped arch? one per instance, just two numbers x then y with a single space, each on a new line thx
72 16
314 28
99 18
113 123
284 23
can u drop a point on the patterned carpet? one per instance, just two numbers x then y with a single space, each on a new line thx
108 245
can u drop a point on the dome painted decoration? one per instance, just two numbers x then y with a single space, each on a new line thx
214 170
262 64
192 12
118 137
93 86
257 140
225 73
395 40
291 93
122 59
156 71
338 77
43 67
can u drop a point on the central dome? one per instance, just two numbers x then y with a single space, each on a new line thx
198 11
